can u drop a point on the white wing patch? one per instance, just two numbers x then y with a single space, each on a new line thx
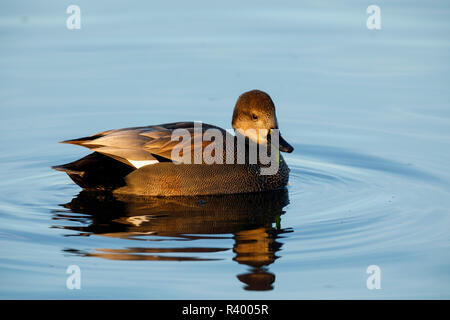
141 163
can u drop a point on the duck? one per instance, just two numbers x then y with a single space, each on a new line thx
149 161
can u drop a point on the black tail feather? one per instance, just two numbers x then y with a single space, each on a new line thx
96 172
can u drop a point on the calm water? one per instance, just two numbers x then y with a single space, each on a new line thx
368 113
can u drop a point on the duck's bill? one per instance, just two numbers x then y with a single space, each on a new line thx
284 146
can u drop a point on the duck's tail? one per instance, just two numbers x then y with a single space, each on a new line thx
96 172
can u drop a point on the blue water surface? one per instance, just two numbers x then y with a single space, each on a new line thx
368 112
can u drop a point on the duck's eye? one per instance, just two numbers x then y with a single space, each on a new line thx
254 116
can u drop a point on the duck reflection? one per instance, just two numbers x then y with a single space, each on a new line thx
253 220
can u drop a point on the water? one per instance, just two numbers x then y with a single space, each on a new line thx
367 112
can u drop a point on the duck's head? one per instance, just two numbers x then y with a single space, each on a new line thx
255 110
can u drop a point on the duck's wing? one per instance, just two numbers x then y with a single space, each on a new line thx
141 146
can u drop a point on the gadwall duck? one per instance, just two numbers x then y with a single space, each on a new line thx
150 161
